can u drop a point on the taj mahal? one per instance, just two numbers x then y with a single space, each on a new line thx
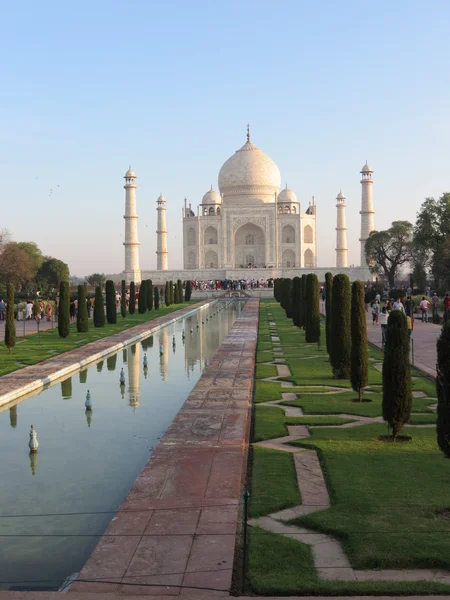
250 223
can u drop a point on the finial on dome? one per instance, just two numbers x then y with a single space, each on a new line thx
286 186
211 187
248 132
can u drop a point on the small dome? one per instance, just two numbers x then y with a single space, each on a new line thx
340 196
211 197
287 195
130 173
161 198
366 168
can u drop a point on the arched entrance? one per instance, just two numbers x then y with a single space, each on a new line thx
249 246
288 258
211 260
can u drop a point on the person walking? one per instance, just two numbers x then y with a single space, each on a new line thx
435 306
2 309
383 319
398 305
424 307
375 312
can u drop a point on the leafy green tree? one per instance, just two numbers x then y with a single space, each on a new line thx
10 326
149 294
36 309
110 295
51 272
328 297
312 309
187 291
142 300
15 265
64 309
82 314
167 294
132 301
36 258
99 308
341 342
123 299
359 371
397 396
96 279
388 250
156 298
443 390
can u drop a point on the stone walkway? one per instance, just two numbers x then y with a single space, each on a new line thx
330 559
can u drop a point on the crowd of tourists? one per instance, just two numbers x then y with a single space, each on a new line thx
228 284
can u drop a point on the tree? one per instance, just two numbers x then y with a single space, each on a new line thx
82 314
156 298
176 297
296 299
132 301
96 279
142 300
149 294
10 326
303 304
51 272
110 297
341 342
187 291
15 265
312 309
328 298
99 308
359 370
276 289
397 396
36 258
386 251
443 390
64 309
180 290
171 293
123 298
167 294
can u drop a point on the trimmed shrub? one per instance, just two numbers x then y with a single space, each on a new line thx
328 299
171 292
286 296
142 300
276 289
82 314
156 298
110 294
341 342
132 301
167 294
296 298
99 309
359 367
10 326
187 291
397 396
303 304
180 290
123 299
443 390
312 309
64 309
149 294
176 297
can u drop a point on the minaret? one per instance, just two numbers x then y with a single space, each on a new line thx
162 235
131 243
366 211
341 232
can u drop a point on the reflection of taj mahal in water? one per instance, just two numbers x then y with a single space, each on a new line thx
249 222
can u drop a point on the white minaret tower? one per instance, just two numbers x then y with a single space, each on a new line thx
341 232
162 235
131 243
366 211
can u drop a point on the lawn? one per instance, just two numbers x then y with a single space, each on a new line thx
30 350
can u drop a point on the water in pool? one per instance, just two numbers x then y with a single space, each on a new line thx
88 460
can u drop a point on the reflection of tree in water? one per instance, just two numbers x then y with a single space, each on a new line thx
111 362
124 355
13 416
147 343
83 376
133 349
66 388
100 366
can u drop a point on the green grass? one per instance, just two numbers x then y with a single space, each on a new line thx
264 356
385 497
263 371
274 482
425 419
31 350
423 384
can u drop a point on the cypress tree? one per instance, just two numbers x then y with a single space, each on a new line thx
328 298
312 309
397 396
132 301
149 294
187 291
142 300
111 310
303 304
297 286
180 290
292 301
156 298
176 297
359 370
341 342
443 390
64 309
171 294
82 314
99 309
10 326
167 294
276 289
123 299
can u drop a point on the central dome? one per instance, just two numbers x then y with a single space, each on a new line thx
250 172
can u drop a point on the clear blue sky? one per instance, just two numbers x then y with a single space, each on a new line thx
168 87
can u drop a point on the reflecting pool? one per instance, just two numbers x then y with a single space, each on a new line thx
55 504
